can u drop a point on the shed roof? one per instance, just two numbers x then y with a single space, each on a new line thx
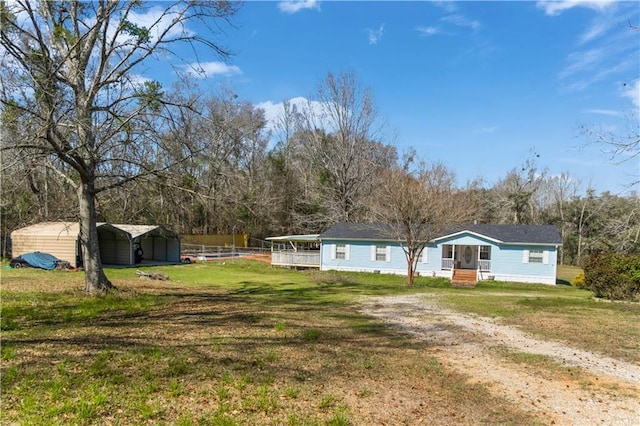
50 229
138 230
508 234
72 229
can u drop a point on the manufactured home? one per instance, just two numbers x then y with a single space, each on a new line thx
518 253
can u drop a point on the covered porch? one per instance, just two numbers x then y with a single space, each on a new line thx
295 251
467 262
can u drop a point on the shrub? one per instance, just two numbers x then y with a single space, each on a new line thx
578 281
613 276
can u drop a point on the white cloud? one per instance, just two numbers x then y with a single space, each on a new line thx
554 8
632 91
607 48
294 6
208 69
429 31
158 19
598 28
608 112
461 21
273 112
138 79
375 35
491 129
447 5
582 61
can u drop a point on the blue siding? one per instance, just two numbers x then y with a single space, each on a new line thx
360 257
506 260
509 260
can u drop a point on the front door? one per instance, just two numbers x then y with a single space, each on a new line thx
468 257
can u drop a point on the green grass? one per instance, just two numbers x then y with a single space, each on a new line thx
245 343
21 310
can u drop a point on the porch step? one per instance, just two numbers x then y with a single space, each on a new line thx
464 278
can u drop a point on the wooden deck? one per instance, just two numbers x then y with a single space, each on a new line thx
296 259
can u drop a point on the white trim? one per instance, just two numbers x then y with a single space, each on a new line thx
347 251
545 257
525 256
333 251
373 253
424 255
388 254
476 234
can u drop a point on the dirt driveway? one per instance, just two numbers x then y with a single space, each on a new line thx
601 391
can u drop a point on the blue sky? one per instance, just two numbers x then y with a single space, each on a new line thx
475 85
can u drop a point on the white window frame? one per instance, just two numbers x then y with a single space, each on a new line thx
341 252
377 251
539 256
446 250
487 251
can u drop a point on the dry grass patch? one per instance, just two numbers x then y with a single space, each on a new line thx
558 313
222 354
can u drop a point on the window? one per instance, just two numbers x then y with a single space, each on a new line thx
381 253
447 251
341 251
535 256
485 252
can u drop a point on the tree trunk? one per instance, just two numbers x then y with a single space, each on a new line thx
95 280
410 269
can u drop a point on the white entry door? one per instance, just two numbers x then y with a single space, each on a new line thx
469 255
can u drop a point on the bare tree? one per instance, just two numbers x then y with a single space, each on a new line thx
515 195
417 206
620 146
68 68
341 131
554 195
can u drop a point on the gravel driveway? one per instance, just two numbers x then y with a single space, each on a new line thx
471 344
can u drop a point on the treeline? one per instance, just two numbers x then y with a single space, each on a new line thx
223 168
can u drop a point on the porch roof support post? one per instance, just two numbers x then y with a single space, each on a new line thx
453 256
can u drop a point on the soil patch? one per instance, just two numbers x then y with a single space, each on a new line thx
570 387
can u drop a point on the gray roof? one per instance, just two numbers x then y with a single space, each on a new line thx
359 231
508 234
511 234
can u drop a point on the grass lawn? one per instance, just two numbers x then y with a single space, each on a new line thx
245 343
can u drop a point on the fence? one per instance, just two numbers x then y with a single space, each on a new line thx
304 259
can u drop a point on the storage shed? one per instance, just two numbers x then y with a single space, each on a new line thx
61 239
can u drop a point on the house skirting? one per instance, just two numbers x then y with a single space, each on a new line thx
482 276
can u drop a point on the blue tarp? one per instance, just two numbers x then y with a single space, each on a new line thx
40 260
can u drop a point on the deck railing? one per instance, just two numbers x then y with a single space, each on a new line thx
306 259
484 265
447 263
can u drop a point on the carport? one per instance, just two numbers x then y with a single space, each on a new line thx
61 239
158 243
